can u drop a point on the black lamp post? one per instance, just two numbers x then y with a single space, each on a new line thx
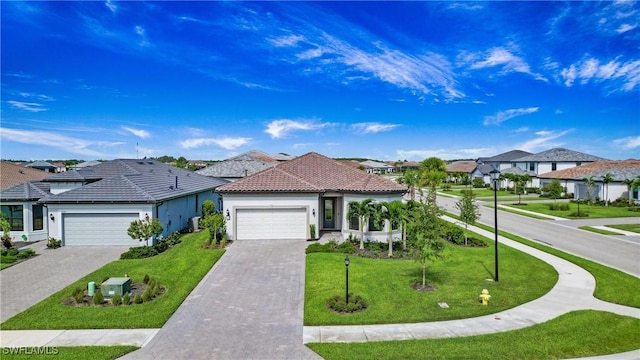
346 266
495 174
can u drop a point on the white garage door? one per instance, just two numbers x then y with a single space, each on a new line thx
258 224
98 229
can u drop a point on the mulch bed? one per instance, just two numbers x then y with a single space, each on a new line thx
136 288
419 287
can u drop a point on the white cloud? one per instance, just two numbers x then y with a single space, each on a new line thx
521 129
143 134
36 96
286 41
544 140
111 6
500 57
628 143
282 127
625 27
625 74
506 115
227 143
372 127
27 106
144 42
55 140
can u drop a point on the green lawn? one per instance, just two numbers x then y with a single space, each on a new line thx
627 227
68 352
598 231
573 335
514 210
595 212
481 192
611 285
459 279
179 269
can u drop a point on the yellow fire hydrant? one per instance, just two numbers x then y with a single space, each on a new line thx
484 297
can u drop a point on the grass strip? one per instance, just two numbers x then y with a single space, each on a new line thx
573 335
594 211
612 285
515 211
67 352
459 278
179 269
627 227
598 230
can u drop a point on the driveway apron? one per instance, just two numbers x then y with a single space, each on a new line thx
27 283
249 306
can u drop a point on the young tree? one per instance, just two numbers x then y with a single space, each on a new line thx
469 211
427 234
606 179
145 229
590 182
410 178
555 189
363 211
521 184
433 172
208 208
215 223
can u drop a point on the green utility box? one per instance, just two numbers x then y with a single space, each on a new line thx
115 286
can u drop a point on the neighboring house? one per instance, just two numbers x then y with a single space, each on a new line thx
96 205
460 167
573 179
552 160
377 167
85 164
20 206
282 202
408 165
42 165
237 167
503 161
13 174
483 171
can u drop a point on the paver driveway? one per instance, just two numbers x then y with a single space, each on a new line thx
27 283
249 306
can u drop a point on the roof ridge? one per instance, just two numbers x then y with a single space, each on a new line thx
297 178
136 186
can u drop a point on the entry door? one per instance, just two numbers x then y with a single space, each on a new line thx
329 216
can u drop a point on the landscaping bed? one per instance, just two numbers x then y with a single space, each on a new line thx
178 269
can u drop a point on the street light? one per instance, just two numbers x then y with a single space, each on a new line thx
495 174
346 266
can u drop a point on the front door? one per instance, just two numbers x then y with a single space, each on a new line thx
329 218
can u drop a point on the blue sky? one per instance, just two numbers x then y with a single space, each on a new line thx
382 80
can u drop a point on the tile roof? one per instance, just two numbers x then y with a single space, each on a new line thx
131 180
13 174
33 190
375 164
517 171
619 169
40 164
485 169
466 166
558 155
236 167
313 172
507 156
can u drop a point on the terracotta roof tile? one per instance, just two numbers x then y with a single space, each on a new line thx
313 172
13 174
466 166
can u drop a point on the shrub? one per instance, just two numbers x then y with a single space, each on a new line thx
478 183
126 299
312 231
146 279
78 295
317 247
137 299
53 243
339 304
582 213
156 290
98 299
13 252
146 296
559 206
223 241
6 242
116 300
453 234
139 252
25 254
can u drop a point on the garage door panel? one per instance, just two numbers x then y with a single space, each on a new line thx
98 229
256 224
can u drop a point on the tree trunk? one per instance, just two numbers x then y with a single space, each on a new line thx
404 238
361 234
390 242
424 274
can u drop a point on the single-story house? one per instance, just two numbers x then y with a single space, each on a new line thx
620 171
42 165
237 167
377 167
27 217
285 201
460 167
96 205
13 174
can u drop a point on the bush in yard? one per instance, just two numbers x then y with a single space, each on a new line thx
126 299
53 243
98 299
137 299
25 254
146 296
116 300
156 290
339 304
146 279
78 295
477 183
145 229
139 252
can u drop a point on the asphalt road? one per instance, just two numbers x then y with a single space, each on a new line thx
620 252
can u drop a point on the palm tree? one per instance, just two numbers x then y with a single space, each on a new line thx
434 171
363 210
631 183
410 178
606 179
391 212
590 182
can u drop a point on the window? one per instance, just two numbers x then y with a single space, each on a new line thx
37 217
532 166
13 214
554 166
373 227
353 223
513 165
578 163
